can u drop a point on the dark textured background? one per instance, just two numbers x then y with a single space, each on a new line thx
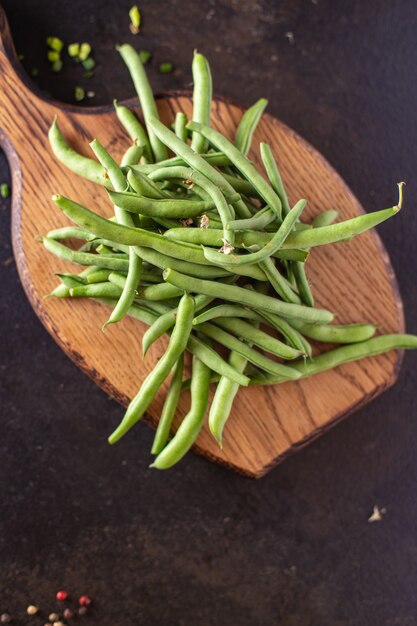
200 545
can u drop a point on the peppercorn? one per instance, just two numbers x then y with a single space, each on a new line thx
53 617
82 610
84 600
58 624
68 614
32 609
5 618
61 595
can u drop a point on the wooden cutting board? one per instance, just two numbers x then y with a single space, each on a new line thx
353 279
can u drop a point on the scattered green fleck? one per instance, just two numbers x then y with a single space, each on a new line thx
145 56
88 74
34 72
84 52
20 57
74 49
57 66
55 43
134 19
79 94
91 94
4 190
53 56
89 64
166 68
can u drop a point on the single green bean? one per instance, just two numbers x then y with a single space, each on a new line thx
247 125
255 300
346 354
260 220
351 333
99 276
244 166
226 310
96 290
160 291
202 95
85 258
199 347
74 161
192 423
169 408
180 126
131 155
274 176
163 261
223 398
69 232
259 338
303 287
134 128
217 159
144 186
177 344
147 101
158 208
281 285
325 218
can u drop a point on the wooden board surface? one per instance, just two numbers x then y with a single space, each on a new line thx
354 279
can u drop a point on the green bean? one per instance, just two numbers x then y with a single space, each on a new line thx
226 310
144 186
247 125
223 398
85 258
147 101
192 158
241 185
74 161
259 338
159 208
131 155
266 251
233 343
160 291
192 423
298 239
239 294
325 218
169 408
202 95
119 182
180 126
260 220
163 261
281 285
217 159
351 333
119 234
137 311
303 287
96 290
346 354
216 196
69 232
120 279
151 384
167 321
99 276
71 280
274 176
244 166
134 128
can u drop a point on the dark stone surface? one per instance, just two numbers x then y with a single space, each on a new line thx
200 545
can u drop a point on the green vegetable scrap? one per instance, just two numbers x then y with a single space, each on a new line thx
145 56
4 190
207 250
135 19
55 43
84 51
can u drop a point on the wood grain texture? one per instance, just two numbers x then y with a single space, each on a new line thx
355 279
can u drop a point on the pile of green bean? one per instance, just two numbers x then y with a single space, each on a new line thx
204 248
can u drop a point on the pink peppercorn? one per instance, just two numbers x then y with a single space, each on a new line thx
61 595
84 601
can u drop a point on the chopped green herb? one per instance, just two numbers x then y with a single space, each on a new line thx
57 66
20 57
145 56
53 56
79 94
4 190
55 43
89 64
84 52
134 19
88 74
166 68
74 49
34 72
